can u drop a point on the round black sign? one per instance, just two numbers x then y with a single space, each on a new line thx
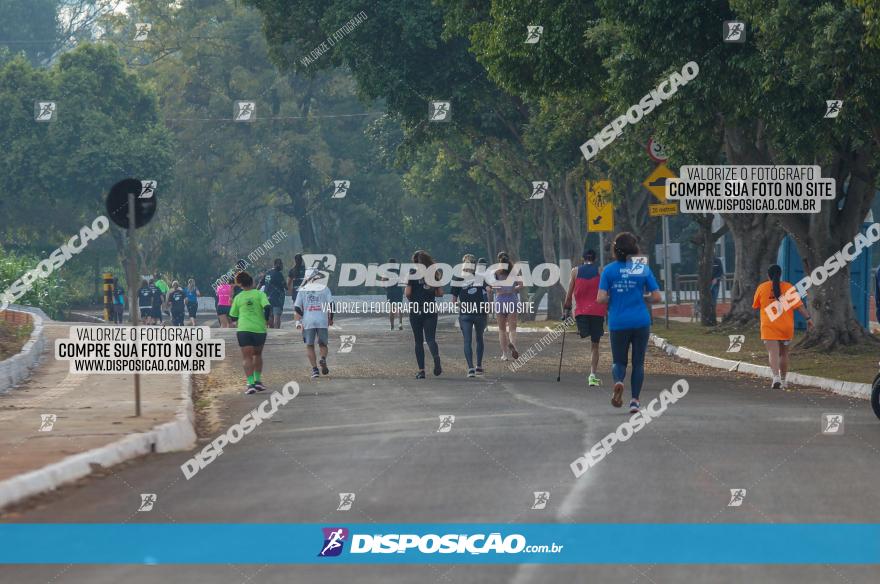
144 201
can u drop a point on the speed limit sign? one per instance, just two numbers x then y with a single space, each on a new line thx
656 151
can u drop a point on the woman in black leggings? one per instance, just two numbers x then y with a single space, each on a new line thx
423 314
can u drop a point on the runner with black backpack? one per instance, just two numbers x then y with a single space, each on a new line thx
275 288
471 296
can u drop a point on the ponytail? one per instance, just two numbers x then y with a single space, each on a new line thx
775 274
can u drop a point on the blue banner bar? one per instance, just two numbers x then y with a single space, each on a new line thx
448 543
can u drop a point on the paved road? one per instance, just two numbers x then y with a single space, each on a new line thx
371 429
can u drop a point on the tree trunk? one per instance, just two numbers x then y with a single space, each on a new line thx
756 237
705 239
819 236
548 249
756 241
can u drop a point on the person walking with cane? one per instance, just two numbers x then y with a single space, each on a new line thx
589 314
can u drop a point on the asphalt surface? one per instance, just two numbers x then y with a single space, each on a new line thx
371 429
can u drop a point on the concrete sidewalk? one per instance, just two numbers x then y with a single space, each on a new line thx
92 412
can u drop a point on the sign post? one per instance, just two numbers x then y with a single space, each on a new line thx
131 203
107 279
667 272
132 293
656 184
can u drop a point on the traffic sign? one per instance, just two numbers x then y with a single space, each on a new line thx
674 253
662 209
656 151
600 209
144 202
656 181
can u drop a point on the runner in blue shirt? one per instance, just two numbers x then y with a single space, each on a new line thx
622 287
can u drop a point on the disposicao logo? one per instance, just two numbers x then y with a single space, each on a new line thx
334 541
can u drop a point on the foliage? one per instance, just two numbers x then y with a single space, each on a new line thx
47 293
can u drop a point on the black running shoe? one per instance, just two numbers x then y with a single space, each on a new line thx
437 369
420 375
323 364
259 385
251 389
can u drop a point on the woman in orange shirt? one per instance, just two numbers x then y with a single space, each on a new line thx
777 324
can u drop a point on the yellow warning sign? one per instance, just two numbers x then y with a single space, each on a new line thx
656 181
600 209
662 209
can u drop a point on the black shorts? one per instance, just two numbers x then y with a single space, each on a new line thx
394 294
223 309
177 318
246 339
192 308
156 312
590 326
146 312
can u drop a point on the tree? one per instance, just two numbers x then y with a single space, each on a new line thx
29 27
822 56
60 171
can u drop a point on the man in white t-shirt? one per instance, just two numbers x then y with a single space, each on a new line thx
313 310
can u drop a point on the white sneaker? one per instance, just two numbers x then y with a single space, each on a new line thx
777 384
504 356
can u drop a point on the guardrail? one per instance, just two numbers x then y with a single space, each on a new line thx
687 290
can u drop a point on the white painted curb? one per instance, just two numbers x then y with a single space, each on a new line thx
172 436
847 388
17 368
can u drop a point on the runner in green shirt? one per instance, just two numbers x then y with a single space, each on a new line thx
251 307
163 288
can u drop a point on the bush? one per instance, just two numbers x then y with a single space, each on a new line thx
46 293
